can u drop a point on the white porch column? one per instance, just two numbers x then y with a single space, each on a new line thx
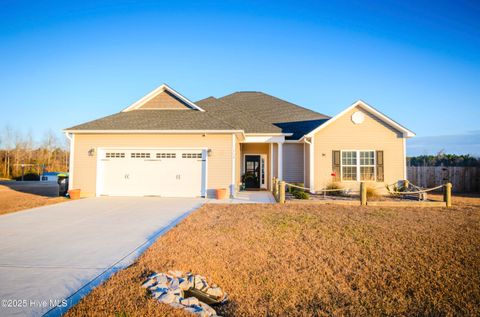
280 161
270 164
233 186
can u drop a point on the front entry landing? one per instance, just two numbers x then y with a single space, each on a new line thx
254 177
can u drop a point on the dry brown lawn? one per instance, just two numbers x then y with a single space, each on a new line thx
310 260
11 200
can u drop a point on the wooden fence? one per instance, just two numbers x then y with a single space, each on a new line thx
464 179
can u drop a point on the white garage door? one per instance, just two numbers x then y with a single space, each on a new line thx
152 172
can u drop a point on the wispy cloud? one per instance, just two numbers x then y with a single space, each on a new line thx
468 143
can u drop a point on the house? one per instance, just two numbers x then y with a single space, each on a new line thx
166 145
50 176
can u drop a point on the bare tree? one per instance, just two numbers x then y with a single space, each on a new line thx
19 153
8 145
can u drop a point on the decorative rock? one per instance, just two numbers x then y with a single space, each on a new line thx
184 284
215 291
159 290
193 309
200 283
191 301
149 283
177 305
169 289
174 283
177 291
167 298
207 308
158 294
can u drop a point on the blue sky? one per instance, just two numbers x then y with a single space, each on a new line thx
64 63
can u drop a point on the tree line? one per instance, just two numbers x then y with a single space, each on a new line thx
443 159
21 154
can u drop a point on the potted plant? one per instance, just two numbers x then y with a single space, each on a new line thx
221 193
74 193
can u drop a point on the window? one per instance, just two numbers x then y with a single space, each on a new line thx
349 165
358 165
114 155
192 155
166 155
367 165
140 155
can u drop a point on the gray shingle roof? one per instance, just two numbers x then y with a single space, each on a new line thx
253 112
157 120
269 108
235 117
289 117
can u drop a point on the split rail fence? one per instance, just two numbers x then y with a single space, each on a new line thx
279 192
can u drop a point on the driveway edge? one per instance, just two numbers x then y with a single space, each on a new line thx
122 263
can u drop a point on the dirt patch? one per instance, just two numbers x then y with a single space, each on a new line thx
11 200
310 260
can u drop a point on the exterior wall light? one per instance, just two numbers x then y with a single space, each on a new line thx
91 152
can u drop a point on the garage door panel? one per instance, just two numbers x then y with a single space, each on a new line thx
167 173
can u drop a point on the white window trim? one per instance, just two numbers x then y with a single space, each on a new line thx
358 165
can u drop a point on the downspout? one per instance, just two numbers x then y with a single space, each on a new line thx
71 138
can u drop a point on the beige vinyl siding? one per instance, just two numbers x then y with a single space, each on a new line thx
372 134
164 100
293 162
219 162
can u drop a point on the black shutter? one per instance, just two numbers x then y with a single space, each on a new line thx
336 165
380 166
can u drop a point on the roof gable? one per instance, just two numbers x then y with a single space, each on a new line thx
161 98
361 104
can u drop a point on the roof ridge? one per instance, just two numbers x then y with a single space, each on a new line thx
280 99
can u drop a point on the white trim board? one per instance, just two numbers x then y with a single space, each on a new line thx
264 157
406 133
164 87
155 131
234 171
71 138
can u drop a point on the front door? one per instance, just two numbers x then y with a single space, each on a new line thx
252 171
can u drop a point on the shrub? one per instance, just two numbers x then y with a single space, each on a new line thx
299 194
372 192
334 185
28 177
292 190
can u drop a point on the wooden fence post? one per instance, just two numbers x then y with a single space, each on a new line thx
282 192
274 187
363 194
447 194
406 183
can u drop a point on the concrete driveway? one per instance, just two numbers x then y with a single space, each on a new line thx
53 255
